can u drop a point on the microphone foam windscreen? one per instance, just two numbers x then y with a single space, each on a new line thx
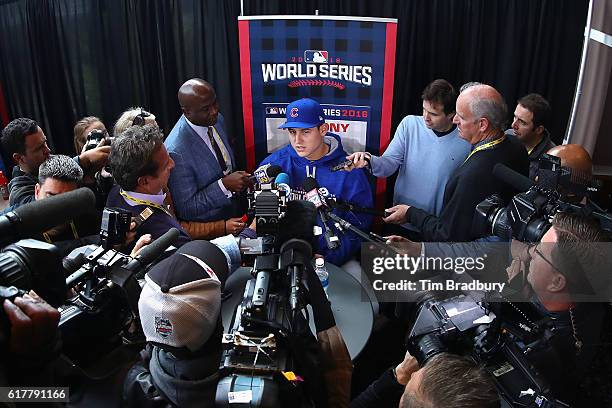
150 252
511 177
310 184
283 178
273 171
42 215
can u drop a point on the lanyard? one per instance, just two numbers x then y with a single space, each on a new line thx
485 147
144 202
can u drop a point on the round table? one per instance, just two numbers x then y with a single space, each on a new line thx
349 302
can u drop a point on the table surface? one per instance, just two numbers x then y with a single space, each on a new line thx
350 304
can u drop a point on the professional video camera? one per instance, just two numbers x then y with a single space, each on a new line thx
101 314
26 263
95 137
489 329
259 347
529 214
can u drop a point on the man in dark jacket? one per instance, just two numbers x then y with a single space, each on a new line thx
481 112
529 128
141 167
25 142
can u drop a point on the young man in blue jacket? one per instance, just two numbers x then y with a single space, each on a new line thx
311 153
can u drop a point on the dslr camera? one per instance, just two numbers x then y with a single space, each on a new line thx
95 137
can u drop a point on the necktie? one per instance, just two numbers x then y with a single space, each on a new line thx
217 150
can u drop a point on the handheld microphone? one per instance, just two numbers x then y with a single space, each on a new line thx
512 178
347 206
283 183
311 187
312 194
266 173
39 216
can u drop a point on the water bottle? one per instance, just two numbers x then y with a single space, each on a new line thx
322 273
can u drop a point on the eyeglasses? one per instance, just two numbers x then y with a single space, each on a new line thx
140 119
548 261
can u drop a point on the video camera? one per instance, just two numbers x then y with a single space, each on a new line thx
258 349
489 329
103 313
103 280
529 214
26 263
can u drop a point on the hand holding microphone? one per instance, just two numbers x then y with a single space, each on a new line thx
359 160
397 214
265 174
236 181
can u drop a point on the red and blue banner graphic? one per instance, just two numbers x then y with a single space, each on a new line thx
345 63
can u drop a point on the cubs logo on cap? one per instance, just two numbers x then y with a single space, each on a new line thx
303 113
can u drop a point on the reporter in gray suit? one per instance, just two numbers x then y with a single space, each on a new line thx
204 182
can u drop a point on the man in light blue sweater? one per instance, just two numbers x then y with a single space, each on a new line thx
426 150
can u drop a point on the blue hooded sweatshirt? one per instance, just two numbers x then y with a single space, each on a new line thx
348 186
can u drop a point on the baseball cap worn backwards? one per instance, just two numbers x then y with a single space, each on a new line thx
303 113
181 300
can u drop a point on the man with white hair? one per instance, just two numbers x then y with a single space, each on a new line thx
481 113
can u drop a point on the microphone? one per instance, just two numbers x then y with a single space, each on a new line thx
150 252
311 187
264 174
294 255
348 206
39 216
512 178
283 183
312 195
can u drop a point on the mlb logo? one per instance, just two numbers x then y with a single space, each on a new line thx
272 111
316 56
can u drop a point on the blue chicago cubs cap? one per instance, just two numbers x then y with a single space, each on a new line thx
303 113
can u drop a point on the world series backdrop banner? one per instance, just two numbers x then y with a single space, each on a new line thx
345 63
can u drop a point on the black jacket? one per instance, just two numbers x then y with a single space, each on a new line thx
162 380
534 156
21 187
471 183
